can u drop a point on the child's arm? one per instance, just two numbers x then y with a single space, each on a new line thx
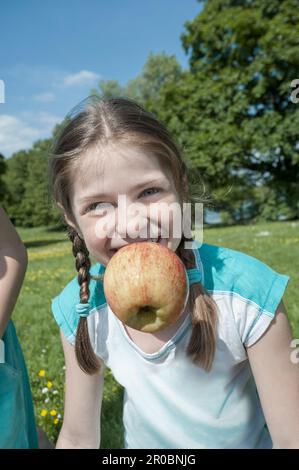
13 265
82 404
276 374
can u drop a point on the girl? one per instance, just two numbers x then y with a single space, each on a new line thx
17 422
221 376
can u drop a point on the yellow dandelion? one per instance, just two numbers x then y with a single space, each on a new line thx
49 384
56 421
53 412
43 413
42 373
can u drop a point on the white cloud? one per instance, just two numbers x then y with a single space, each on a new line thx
44 97
19 133
15 134
84 77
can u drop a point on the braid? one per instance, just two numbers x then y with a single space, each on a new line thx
202 344
86 357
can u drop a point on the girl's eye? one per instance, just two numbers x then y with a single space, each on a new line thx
151 189
97 206
107 205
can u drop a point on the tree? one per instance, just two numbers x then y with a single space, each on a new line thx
157 70
2 172
36 210
232 111
14 180
27 199
108 89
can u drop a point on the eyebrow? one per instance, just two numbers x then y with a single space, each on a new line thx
138 186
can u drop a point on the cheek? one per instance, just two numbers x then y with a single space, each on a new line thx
94 243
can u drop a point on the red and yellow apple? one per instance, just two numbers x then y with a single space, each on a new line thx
146 286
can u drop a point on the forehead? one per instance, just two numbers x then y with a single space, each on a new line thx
103 168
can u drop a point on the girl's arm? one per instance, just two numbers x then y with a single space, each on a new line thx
13 265
276 372
82 404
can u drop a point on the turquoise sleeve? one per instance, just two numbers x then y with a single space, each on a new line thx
64 305
64 309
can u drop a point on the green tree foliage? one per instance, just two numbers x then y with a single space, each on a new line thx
35 204
2 172
158 69
14 180
108 89
232 111
27 199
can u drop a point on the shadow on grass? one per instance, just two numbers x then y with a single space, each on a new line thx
56 228
226 225
38 243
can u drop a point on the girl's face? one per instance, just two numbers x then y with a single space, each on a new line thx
122 195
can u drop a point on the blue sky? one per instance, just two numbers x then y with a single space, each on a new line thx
53 52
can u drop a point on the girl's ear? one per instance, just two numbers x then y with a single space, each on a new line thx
69 221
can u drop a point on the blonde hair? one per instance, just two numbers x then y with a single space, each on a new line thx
104 121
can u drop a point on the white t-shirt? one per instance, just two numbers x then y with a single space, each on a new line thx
170 402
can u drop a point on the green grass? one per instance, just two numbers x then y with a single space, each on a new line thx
51 267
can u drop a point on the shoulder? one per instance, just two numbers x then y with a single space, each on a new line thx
64 304
247 290
236 272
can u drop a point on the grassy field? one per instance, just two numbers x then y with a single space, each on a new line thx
51 267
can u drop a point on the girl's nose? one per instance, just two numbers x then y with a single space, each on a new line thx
130 225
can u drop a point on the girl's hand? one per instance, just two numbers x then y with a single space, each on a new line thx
13 265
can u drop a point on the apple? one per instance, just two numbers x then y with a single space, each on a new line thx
146 286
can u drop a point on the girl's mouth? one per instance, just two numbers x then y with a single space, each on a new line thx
152 240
